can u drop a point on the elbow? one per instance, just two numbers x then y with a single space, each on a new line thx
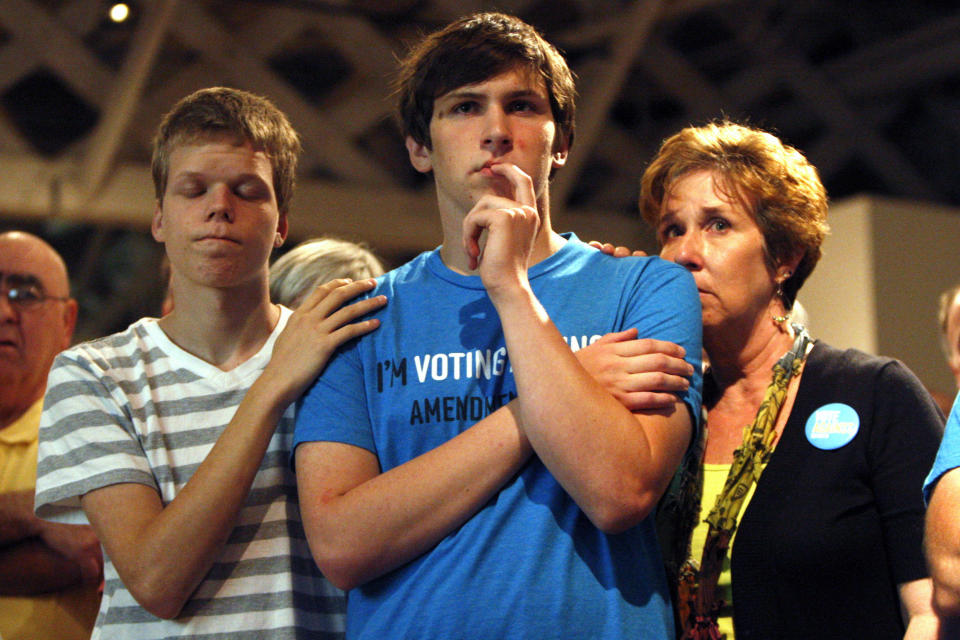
944 565
342 569
337 561
343 580
340 558
621 513
158 598
946 600
165 610
347 553
339 553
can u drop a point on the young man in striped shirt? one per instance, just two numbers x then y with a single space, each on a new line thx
172 437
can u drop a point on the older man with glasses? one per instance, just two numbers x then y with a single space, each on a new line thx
49 573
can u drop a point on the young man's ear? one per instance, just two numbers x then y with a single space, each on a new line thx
561 149
156 225
419 155
559 158
283 227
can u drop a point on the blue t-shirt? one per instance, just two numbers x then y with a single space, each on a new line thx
529 564
948 455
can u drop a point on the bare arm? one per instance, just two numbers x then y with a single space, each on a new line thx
361 523
942 545
916 603
613 463
38 556
162 552
17 521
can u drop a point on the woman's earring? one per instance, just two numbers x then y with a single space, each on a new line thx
786 276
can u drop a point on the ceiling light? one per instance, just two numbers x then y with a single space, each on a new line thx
119 12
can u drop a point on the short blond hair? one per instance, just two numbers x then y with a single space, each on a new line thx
943 317
222 111
774 182
313 262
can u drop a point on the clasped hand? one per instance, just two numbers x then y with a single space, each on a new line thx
79 544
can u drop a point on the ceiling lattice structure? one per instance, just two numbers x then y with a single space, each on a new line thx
870 91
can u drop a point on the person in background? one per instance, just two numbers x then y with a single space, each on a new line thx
942 486
941 490
314 262
461 469
50 573
809 521
173 436
948 317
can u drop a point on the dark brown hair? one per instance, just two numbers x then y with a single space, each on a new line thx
473 49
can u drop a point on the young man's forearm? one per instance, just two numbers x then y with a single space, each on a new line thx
362 526
615 464
366 526
163 552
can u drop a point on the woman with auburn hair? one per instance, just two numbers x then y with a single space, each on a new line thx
808 481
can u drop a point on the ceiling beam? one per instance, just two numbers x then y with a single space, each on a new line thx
320 137
106 138
674 73
602 87
821 96
868 144
924 55
52 44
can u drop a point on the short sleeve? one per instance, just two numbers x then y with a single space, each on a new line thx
666 306
87 439
334 408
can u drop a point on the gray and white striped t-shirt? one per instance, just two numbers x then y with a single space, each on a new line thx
134 407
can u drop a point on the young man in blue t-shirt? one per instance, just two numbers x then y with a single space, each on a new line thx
462 469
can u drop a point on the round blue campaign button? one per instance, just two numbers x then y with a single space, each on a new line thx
832 426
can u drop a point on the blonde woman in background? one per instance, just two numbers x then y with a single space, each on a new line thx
314 262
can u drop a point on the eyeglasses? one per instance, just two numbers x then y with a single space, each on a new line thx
27 296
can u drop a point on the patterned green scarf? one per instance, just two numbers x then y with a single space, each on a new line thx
698 603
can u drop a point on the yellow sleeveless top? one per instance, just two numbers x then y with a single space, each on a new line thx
714 476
